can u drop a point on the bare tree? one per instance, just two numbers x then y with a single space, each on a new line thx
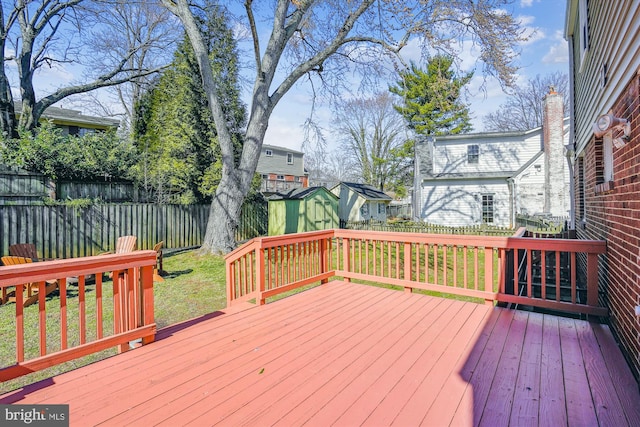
50 33
124 24
523 110
8 125
329 168
323 39
372 135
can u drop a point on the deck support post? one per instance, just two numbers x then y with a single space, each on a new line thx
346 256
592 279
259 260
324 259
146 274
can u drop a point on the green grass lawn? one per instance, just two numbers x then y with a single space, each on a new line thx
194 285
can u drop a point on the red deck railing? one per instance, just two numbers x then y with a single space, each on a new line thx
534 272
131 308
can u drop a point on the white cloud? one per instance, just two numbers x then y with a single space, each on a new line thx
526 3
531 32
559 52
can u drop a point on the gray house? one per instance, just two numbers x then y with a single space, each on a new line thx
282 169
73 122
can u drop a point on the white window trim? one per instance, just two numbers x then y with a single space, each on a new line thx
268 153
607 157
476 155
583 36
493 208
289 158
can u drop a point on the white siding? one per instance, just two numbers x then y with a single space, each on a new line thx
614 40
529 187
459 202
497 153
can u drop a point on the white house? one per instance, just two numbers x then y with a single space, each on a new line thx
490 177
361 202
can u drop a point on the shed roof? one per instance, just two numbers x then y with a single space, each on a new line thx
367 191
299 193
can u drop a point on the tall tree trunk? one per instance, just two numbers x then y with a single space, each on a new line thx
8 125
30 115
223 217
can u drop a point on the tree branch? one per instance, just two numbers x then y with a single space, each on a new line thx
320 57
51 99
254 34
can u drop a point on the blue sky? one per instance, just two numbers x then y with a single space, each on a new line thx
546 52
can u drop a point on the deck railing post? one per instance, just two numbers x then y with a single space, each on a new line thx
146 274
259 260
346 256
592 279
488 273
407 265
230 281
323 259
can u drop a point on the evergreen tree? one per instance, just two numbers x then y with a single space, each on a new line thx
175 132
431 98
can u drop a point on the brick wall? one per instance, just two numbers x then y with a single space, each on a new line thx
612 213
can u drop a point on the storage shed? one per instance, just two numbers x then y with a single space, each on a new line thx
303 209
361 202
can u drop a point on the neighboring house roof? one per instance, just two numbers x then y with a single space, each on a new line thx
365 190
480 175
278 148
299 193
74 118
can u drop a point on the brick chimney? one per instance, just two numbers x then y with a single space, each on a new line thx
554 159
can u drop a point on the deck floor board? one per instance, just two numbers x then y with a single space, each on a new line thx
347 354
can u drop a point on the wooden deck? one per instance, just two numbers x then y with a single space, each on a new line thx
347 354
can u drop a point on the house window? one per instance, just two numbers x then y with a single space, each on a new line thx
74 130
280 177
473 153
487 208
265 176
298 179
268 153
380 208
583 16
289 158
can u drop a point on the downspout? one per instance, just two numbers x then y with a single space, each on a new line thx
571 147
417 179
512 184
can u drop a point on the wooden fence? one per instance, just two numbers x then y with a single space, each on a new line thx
19 187
70 232
107 191
423 227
